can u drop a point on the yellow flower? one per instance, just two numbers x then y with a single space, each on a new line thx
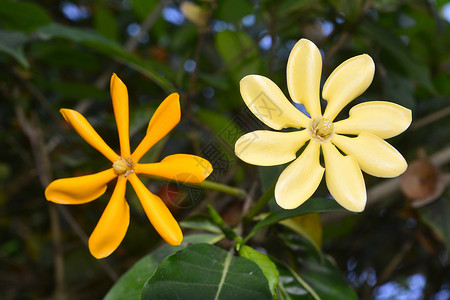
368 124
113 224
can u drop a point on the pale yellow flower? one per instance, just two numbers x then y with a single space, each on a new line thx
360 136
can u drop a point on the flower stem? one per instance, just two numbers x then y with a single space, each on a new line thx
261 203
210 185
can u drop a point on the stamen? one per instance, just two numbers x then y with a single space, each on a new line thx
321 128
123 167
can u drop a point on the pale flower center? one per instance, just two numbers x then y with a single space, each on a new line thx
321 128
123 167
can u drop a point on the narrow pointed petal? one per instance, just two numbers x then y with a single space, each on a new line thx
179 167
375 156
270 148
384 119
119 95
158 213
344 179
300 179
113 225
349 80
165 118
85 130
268 103
78 190
304 68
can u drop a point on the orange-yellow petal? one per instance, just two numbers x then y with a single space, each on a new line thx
158 213
78 190
179 167
165 118
344 179
113 224
303 72
349 80
268 103
384 119
374 155
300 179
119 96
85 130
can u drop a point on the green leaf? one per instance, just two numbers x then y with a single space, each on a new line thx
105 23
75 90
204 271
105 46
200 222
142 8
391 43
267 266
436 215
238 51
309 226
22 15
130 284
310 206
314 280
11 43
233 10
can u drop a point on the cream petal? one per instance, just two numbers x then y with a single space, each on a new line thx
158 213
165 118
179 167
375 156
119 96
270 148
349 80
113 224
384 119
303 72
88 133
268 103
78 190
300 179
344 179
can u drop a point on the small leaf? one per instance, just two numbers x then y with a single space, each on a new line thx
309 226
310 206
12 42
204 271
130 284
267 266
200 222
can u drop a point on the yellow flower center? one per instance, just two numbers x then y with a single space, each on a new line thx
321 128
123 167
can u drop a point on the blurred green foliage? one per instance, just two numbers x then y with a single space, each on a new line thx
61 54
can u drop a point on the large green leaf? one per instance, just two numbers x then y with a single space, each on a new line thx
311 206
238 51
204 271
11 43
315 280
266 265
105 46
233 10
130 284
436 216
391 43
22 15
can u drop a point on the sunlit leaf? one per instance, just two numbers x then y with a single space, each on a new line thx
130 284
265 264
204 271
310 206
